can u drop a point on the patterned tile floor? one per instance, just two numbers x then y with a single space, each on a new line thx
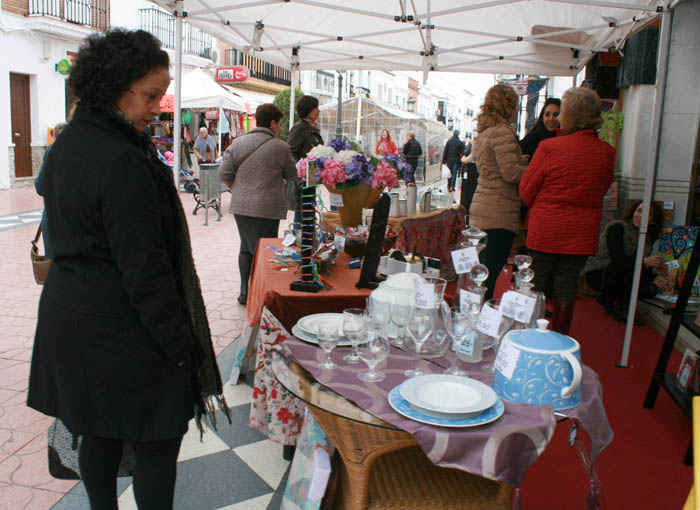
234 468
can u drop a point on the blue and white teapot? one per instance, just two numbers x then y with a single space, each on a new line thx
538 366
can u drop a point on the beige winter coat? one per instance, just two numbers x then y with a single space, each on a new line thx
496 203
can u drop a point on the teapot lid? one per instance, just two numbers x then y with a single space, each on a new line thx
542 339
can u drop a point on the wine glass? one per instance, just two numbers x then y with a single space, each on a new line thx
492 309
373 351
460 329
419 326
379 312
438 284
327 337
355 328
401 305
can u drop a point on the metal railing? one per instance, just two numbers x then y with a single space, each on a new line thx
162 25
258 68
91 13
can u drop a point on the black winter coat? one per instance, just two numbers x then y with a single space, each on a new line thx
113 324
302 138
454 148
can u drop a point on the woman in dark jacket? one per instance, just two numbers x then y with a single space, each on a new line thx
545 127
611 270
122 349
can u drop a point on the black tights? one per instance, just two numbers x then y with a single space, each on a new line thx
154 472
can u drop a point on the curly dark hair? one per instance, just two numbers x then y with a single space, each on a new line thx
109 63
306 105
657 218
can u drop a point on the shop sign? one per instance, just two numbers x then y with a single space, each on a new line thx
211 115
63 66
235 74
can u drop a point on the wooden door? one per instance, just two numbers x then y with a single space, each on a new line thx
21 124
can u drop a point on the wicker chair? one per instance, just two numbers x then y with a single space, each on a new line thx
382 467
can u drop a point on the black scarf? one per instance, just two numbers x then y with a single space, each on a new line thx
206 379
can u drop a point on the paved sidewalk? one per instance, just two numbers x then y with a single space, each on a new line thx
242 469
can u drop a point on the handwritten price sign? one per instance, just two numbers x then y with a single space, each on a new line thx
517 306
464 259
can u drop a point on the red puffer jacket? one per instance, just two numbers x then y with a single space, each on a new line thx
564 187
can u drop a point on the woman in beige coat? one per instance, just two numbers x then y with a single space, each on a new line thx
496 204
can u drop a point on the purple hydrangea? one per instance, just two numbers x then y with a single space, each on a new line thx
359 170
339 145
404 170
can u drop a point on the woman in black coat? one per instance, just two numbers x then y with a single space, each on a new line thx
545 127
122 348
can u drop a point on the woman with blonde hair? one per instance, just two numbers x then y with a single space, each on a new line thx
564 188
495 207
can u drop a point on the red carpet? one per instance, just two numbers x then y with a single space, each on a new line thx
643 467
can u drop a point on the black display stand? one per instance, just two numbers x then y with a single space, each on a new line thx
661 378
307 282
375 241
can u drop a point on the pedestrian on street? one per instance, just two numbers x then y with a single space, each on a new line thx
411 151
254 167
385 145
452 157
122 353
205 146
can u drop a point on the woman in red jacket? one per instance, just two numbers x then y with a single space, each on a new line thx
564 187
385 145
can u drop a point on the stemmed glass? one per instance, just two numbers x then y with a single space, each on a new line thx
504 326
373 351
327 338
379 312
459 328
419 326
355 328
401 305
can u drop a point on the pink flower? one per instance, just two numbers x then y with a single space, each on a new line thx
333 171
302 166
384 176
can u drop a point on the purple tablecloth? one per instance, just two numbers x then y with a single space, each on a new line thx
502 450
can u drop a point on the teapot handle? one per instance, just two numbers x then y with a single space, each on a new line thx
578 374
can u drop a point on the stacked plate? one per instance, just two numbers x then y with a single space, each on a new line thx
307 327
446 400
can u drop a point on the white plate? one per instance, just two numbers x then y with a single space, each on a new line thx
308 337
451 394
402 407
310 322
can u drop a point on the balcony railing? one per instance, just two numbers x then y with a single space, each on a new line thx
162 25
90 13
258 68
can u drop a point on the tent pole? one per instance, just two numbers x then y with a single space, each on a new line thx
339 113
221 138
295 84
358 126
177 145
652 163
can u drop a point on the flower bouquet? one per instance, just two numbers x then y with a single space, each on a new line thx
346 172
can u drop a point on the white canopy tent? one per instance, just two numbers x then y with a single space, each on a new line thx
544 37
199 90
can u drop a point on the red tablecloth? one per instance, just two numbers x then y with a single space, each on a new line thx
270 287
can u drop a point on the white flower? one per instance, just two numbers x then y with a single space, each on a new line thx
322 151
346 156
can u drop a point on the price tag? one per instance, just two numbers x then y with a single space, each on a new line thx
517 306
668 205
362 229
467 299
425 295
289 239
506 360
672 264
467 346
340 242
336 199
489 321
464 259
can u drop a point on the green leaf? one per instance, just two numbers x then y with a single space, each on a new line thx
282 100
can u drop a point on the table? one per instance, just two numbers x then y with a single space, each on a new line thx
501 451
431 234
